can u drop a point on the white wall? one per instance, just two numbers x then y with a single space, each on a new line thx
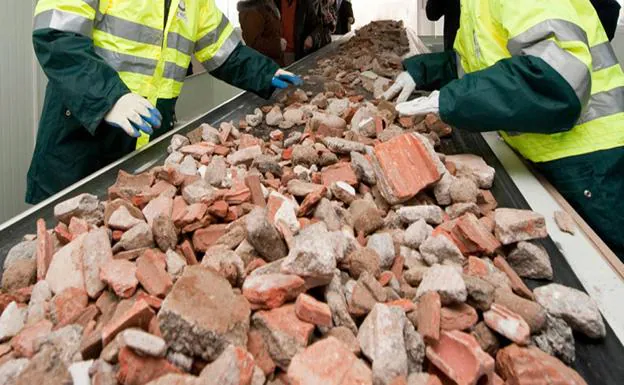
21 91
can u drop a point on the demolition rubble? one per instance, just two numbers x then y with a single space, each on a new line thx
342 249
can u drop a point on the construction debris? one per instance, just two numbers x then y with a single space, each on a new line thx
348 253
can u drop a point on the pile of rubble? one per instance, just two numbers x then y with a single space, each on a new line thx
349 253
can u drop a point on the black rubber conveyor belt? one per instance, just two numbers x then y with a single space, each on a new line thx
598 362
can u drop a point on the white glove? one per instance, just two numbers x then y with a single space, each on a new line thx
283 44
404 84
132 113
420 106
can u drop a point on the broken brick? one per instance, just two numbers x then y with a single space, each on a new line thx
24 345
328 362
339 172
259 350
517 285
120 275
153 276
139 316
204 238
471 229
284 333
460 358
514 225
312 311
139 370
508 324
458 317
429 316
405 152
269 291
68 304
45 249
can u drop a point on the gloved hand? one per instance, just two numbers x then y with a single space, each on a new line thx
403 86
282 79
283 44
420 106
132 113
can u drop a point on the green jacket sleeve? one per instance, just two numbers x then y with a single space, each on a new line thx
432 71
89 86
248 69
521 93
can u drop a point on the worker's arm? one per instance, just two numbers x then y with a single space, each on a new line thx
221 52
63 45
435 9
542 88
252 25
432 71
608 12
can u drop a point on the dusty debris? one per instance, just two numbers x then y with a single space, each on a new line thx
565 222
338 249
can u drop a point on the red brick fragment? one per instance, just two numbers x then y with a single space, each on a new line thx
139 316
186 249
87 315
237 196
397 267
429 309
45 249
458 317
404 303
219 209
519 366
5 300
407 122
260 351
62 233
78 226
198 150
154 302
507 323
405 152
476 267
339 172
139 370
253 265
23 344
459 356
221 150
385 277
310 201
153 276
469 227
272 290
486 201
308 309
252 182
517 285
117 234
68 304
119 275
328 362
204 238
190 214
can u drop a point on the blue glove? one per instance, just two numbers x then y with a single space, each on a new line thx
282 79
133 113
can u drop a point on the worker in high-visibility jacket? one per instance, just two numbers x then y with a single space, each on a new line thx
115 70
544 73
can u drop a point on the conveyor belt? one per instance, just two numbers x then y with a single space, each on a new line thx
598 362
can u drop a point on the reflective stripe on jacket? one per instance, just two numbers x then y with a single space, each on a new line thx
151 58
568 36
